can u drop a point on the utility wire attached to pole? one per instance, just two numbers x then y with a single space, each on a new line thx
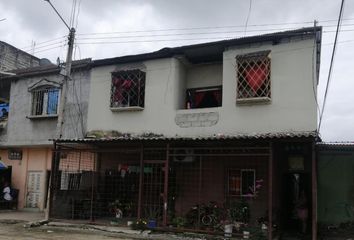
67 75
331 64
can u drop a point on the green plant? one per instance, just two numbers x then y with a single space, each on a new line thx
152 212
179 222
239 211
139 225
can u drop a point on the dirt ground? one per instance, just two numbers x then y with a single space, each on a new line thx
16 230
12 226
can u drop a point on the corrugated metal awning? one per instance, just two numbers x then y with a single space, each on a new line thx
221 137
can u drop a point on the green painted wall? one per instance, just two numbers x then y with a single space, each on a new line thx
335 186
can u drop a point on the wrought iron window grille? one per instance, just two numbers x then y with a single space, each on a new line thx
45 101
253 77
128 89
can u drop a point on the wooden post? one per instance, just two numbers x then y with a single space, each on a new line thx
92 186
270 192
165 195
314 192
52 180
200 189
141 178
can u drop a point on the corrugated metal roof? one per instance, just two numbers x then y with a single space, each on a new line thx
349 145
153 137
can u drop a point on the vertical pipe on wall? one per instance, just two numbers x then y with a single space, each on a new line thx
141 180
314 191
199 189
26 177
270 192
92 186
165 197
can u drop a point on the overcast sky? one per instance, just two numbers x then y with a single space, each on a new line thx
137 26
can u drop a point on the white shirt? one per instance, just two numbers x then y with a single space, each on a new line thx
7 195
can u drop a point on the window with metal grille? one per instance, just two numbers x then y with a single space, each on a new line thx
253 77
242 182
128 89
45 101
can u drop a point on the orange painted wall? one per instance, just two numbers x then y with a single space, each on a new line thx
33 159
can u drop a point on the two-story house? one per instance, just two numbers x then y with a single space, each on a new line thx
26 146
176 133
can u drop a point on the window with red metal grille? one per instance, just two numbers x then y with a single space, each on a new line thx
253 77
128 89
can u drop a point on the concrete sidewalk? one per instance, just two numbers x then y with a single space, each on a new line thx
21 215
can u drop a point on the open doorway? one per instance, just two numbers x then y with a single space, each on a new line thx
5 176
296 202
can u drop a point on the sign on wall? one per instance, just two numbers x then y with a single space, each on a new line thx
15 154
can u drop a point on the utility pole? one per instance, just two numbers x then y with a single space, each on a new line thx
63 96
67 75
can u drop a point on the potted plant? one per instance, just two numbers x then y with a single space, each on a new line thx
152 212
239 212
115 208
179 222
139 225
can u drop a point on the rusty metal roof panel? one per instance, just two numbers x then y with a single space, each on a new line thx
147 137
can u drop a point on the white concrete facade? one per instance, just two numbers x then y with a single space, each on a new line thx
292 107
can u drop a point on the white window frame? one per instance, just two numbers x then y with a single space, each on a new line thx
44 105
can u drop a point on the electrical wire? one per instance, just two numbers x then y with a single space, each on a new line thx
51 44
209 27
194 33
49 49
331 64
78 13
47 41
193 28
248 16
315 73
160 40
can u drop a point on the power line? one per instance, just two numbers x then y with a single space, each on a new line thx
47 41
160 40
248 16
38 45
51 44
209 27
49 49
193 28
78 13
331 63
192 33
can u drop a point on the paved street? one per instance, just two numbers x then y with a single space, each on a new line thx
15 230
